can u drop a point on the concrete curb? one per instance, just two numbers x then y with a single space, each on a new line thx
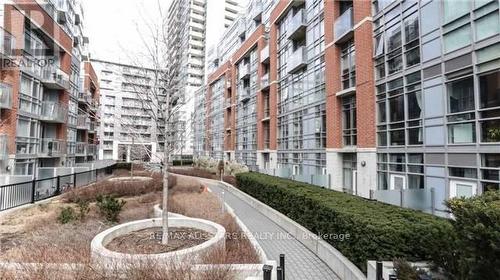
100 254
158 212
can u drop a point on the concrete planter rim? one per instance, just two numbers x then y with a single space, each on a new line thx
130 179
97 245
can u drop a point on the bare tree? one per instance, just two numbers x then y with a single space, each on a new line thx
162 103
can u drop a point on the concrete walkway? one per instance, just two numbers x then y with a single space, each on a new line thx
301 263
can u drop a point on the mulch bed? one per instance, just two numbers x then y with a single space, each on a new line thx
148 241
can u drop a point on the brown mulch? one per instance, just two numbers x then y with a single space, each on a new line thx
148 241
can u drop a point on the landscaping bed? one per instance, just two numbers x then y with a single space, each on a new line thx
61 230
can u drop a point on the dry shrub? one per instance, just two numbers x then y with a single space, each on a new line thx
230 179
196 172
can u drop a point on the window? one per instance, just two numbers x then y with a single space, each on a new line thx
411 28
489 86
457 38
431 50
463 172
396 109
395 64
462 189
349 120
379 45
348 61
431 16
487 26
454 9
394 37
461 96
462 133
414 105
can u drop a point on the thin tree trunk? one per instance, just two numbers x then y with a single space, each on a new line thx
166 155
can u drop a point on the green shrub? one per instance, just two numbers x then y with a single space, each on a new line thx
66 215
83 208
110 207
377 231
477 226
178 162
405 271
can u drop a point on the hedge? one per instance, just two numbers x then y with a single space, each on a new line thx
178 162
377 231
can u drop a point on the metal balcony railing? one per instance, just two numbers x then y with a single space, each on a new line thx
91 149
55 78
85 97
267 111
343 26
227 102
7 42
83 122
5 96
52 147
53 112
297 60
81 148
297 27
264 81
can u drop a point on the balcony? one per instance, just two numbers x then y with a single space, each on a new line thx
91 149
6 44
83 122
343 26
81 149
53 112
94 106
264 55
55 78
52 148
4 152
244 94
256 10
264 81
227 103
5 96
298 26
297 60
267 112
228 84
244 71
93 127
85 97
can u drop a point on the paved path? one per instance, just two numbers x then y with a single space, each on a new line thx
301 263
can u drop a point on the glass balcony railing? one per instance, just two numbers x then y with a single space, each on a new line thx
55 78
81 148
227 102
343 25
84 97
264 54
83 122
5 96
244 71
244 93
297 60
53 112
52 147
7 42
264 81
297 27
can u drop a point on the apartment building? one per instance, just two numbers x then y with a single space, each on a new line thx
127 130
192 25
391 100
43 55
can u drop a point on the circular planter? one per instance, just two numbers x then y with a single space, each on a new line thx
101 255
131 179
158 212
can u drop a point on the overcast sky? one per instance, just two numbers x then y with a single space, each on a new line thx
112 25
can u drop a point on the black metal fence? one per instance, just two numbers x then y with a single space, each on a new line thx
19 194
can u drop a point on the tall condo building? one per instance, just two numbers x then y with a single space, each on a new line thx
390 100
192 25
127 129
48 90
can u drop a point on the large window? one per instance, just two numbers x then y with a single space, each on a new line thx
461 96
454 9
489 88
487 26
349 120
348 62
457 38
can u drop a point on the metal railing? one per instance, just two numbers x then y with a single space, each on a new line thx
243 93
264 54
5 96
264 81
81 148
29 192
53 112
4 152
343 25
7 42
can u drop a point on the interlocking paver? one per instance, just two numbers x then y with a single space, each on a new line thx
301 263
